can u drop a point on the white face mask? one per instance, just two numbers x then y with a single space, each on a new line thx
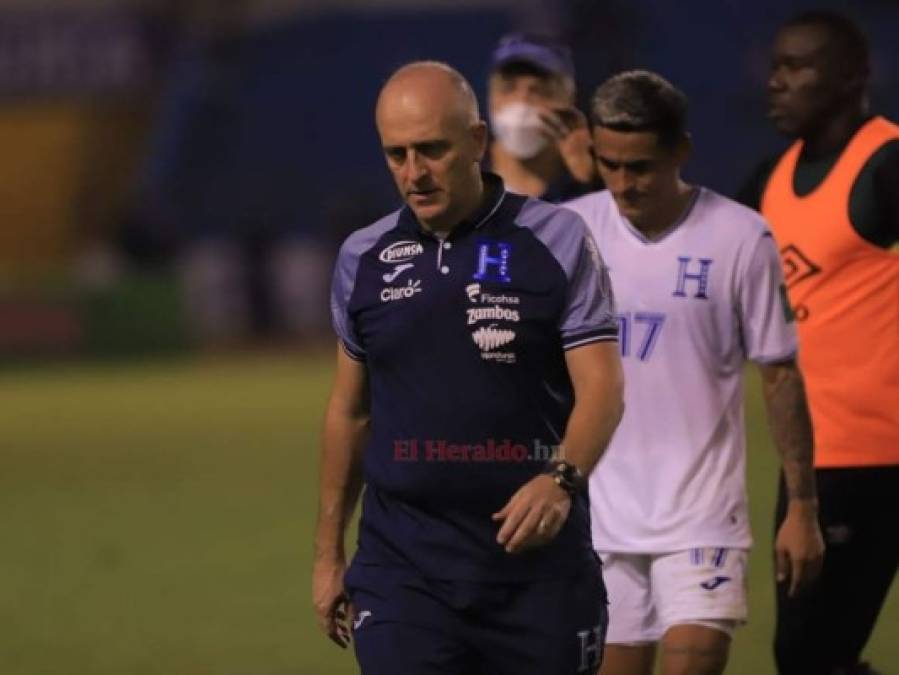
518 127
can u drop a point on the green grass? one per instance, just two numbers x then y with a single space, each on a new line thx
157 519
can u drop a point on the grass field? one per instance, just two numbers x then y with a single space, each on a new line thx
157 519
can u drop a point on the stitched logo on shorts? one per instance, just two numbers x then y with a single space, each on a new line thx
712 584
360 619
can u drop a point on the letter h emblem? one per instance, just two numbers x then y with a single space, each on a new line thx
591 649
493 261
701 277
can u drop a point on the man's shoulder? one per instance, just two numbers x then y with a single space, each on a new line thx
740 221
543 218
365 238
588 205
732 233
597 210
559 230
886 127
886 157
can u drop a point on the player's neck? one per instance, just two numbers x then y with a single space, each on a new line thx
834 132
525 176
671 212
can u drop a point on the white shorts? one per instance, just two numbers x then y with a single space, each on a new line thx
650 593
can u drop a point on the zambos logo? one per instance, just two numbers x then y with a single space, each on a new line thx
491 314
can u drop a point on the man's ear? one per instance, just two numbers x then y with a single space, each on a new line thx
683 149
854 83
479 135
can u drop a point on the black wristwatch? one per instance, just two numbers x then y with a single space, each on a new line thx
567 476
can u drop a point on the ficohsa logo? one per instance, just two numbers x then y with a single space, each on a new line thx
400 251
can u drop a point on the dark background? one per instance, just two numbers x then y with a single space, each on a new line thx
178 174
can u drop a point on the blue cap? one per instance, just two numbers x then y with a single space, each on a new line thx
543 53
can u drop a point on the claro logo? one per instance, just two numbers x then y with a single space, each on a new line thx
392 293
400 251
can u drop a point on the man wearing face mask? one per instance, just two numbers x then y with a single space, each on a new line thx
541 145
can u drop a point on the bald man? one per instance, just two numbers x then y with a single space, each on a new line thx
477 383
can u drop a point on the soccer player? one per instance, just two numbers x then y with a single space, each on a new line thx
541 143
478 380
699 287
833 203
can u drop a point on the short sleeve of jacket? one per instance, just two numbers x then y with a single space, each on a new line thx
589 314
767 323
342 285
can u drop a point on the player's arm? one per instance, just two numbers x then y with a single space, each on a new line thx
769 338
535 513
340 483
799 548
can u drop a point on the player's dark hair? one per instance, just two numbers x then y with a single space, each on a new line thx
639 100
853 51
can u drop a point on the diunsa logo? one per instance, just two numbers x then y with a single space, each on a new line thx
400 251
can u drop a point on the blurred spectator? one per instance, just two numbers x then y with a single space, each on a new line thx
541 143
222 176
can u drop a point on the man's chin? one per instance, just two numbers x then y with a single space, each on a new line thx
632 213
784 125
430 215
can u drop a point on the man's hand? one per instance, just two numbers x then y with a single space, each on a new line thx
340 483
568 129
332 605
799 547
533 516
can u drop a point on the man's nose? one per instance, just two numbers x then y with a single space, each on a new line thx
416 166
620 181
776 80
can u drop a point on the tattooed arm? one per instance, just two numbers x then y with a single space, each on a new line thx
799 547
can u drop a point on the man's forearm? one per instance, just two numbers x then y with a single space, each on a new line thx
340 480
598 381
791 427
590 427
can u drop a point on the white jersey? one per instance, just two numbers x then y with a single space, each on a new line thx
694 304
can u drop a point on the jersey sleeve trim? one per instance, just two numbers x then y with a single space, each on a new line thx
604 334
766 359
353 352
